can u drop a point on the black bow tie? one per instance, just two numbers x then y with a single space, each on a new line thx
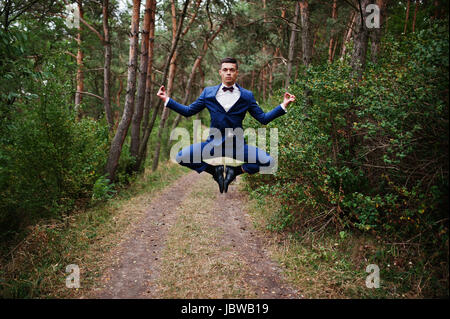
231 88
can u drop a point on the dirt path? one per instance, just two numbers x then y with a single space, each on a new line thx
193 242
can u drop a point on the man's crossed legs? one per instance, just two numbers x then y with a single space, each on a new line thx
193 156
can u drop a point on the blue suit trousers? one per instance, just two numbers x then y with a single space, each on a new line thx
193 156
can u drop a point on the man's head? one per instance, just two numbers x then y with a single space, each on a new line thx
228 71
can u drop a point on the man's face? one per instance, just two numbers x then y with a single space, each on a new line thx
228 73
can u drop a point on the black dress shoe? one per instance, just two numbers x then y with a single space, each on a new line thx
230 175
217 173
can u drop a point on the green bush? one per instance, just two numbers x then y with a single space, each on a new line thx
103 189
371 155
50 160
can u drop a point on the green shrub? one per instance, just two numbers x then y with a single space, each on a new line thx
103 189
371 155
50 160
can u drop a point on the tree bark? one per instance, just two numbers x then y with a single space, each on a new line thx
334 49
148 102
142 84
172 66
165 109
348 34
314 42
80 75
197 63
119 92
358 60
264 52
407 16
332 40
292 46
107 68
436 9
277 52
306 33
122 129
415 15
375 34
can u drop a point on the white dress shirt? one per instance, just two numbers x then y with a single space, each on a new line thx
227 98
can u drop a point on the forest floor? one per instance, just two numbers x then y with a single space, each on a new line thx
192 242
172 234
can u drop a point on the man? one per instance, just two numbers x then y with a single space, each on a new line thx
227 104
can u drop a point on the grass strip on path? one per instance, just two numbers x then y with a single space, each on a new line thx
195 262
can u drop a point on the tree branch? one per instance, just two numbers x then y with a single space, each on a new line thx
192 18
93 30
71 54
91 94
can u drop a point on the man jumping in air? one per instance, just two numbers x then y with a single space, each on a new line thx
227 104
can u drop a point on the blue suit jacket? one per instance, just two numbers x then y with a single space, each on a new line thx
221 119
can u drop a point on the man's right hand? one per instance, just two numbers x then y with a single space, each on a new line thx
162 93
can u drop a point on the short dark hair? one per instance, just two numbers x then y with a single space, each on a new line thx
229 60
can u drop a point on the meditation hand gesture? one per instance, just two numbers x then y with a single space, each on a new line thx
162 93
288 99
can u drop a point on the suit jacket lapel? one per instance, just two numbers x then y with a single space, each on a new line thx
214 90
239 99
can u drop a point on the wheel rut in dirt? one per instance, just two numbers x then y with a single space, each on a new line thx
144 263
136 261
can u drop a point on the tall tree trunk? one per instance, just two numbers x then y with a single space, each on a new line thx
119 92
142 84
172 71
375 34
80 74
277 53
107 68
415 15
348 33
292 45
330 45
358 60
306 33
148 102
407 16
314 42
271 69
166 67
264 82
334 49
173 64
436 9
264 51
196 65
122 129
252 83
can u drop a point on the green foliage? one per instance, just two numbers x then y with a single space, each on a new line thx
374 154
103 189
50 159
